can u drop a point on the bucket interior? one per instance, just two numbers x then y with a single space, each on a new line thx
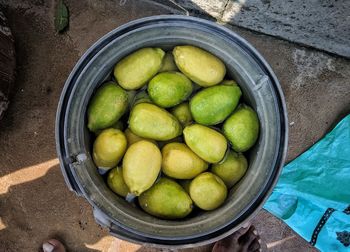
258 90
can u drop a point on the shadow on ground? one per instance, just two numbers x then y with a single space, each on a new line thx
43 208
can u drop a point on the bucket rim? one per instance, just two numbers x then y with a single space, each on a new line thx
69 176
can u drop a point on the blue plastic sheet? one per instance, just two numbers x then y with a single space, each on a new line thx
312 195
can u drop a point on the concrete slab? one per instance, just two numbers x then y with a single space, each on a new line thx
320 24
35 203
211 9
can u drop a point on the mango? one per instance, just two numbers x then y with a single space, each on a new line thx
178 139
242 128
133 138
207 143
168 63
212 105
180 162
107 106
116 182
109 148
141 97
133 71
182 113
228 83
166 199
208 191
118 125
232 169
199 65
168 89
149 121
141 166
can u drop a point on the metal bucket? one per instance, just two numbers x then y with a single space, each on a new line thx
261 90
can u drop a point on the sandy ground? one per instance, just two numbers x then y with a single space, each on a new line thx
34 201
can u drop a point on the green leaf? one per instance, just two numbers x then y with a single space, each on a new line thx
61 17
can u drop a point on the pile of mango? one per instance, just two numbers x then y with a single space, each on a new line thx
185 135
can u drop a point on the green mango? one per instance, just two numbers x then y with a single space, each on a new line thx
207 143
182 113
212 105
134 71
228 83
180 162
141 166
232 169
141 97
109 148
199 65
178 139
107 106
133 138
150 121
168 63
166 199
116 182
242 128
168 89
208 191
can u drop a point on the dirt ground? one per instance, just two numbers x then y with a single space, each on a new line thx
35 203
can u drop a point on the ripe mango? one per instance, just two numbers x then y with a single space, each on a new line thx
200 66
181 162
150 121
133 71
207 143
141 166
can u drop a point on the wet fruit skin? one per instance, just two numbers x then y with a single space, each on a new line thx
141 166
133 71
242 128
166 199
208 191
150 121
207 143
116 182
168 89
109 148
232 169
200 66
107 106
213 105
181 162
